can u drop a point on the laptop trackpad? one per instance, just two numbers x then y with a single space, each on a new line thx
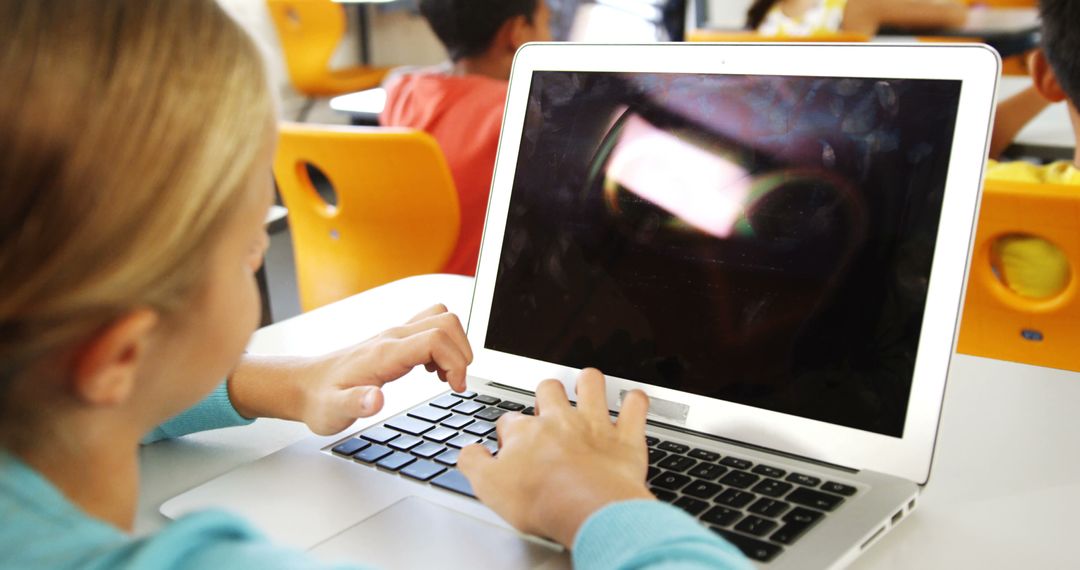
415 533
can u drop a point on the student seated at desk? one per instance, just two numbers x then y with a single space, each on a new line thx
814 17
137 140
1029 265
461 105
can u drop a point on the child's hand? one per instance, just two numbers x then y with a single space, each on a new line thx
329 392
556 469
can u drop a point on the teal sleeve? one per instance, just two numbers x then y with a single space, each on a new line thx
653 535
215 411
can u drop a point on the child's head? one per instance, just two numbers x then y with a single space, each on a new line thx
757 11
136 139
467 28
1061 44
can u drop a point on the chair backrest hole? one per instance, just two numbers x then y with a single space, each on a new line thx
335 235
322 184
1030 265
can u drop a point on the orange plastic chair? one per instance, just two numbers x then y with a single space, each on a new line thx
997 322
310 31
396 213
735 36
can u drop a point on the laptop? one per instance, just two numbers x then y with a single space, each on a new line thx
770 240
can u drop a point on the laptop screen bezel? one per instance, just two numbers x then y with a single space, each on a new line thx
909 456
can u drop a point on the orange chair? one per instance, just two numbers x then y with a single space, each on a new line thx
997 322
736 36
396 212
310 31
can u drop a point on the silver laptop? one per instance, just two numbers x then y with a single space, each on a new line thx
769 240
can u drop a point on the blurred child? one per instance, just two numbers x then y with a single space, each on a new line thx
462 105
1029 265
138 137
814 17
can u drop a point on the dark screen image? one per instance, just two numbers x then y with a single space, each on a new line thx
761 240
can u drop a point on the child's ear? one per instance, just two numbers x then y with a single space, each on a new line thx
106 366
519 31
1043 77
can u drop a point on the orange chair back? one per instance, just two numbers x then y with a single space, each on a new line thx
396 214
310 31
705 35
999 323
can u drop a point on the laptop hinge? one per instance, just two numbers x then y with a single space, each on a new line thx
703 435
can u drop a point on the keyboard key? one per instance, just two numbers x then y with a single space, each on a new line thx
405 442
396 461
440 434
722 516
466 395
448 457
735 498
796 523
411 426
463 440
702 489
468 408
672 446
430 414
736 463
349 447
814 499
488 400
769 471
676 463
651 441
840 488
427 450
740 479
423 470
529 411
753 548
511 406
480 428
690 505
670 481
769 507
491 445
804 479
756 526
707 471
704 455
379 434
772 488
655 455
663 494
457 421
490 414
372 454
454 481
652 472
446 402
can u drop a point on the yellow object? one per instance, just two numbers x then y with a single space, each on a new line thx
396 215
824 17
999 322
310 31
706 35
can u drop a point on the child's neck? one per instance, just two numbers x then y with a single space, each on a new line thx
97 470
489 66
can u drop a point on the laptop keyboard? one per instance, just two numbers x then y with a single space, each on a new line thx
759 508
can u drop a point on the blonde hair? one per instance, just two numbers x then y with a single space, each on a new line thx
127 129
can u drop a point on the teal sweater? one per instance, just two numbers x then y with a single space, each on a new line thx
40 528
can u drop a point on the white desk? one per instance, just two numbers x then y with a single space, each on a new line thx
1004 493
1049 135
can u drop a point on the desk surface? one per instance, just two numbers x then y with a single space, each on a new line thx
1003 493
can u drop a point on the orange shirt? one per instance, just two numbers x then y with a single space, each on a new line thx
464 114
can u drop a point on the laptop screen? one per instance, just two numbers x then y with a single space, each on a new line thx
763 240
